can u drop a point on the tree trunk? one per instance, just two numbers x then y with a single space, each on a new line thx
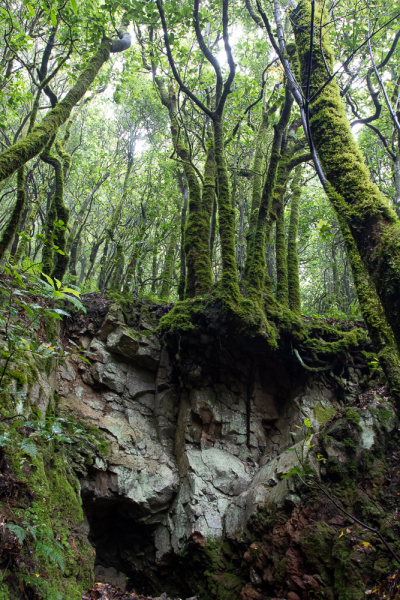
292 258
357 201
256 273
280 250
20 153
169 260
226 218
13 224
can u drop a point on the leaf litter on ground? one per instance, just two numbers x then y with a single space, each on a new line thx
105 591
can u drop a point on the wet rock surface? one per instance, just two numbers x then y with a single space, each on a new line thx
192 484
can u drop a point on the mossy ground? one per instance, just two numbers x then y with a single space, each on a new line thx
40 497
58 564
214 575
340 558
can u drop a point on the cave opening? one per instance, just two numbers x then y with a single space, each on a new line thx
124 546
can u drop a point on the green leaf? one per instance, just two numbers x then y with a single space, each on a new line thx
74 7
17 531
58 283
70 291
57 294
77 303
49 279
53 18
307 423
30 9
59 311
28 447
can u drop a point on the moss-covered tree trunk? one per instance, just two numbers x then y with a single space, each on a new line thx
92 257
13 224
112 228
282 294
18 154
197 260
182 273
256 273
380 332
287 163
213 227
169 259
198 266
361 206
154 262
117 268
131 268
257 179
55 238
292 256
226 218
28 227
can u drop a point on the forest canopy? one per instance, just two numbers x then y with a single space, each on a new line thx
247 152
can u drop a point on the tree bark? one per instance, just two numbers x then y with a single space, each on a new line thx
358 202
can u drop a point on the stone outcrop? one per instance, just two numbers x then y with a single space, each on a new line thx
197 437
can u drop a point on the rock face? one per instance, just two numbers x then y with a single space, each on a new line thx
197 442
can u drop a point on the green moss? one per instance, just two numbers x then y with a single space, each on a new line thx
292 256
18 154
18 376
323 413
169 259
350 444
353 417
220 580
13 224
197 258
60 558
255 270
358 202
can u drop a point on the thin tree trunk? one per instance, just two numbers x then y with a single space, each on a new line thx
292 257
20 153
169 260
13 224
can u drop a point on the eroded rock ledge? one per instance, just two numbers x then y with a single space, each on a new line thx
197 431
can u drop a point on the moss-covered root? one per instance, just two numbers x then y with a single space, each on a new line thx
374 226
169 259
18 154
13 223
380 332
292 256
